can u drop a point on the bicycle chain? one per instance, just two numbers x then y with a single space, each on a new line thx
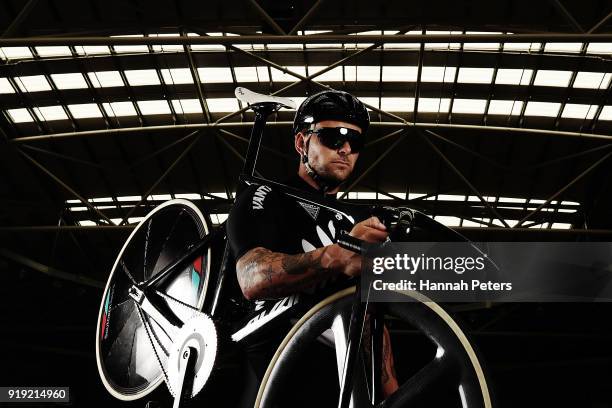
167 298
159 362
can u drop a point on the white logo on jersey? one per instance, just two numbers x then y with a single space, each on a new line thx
259 197
312 210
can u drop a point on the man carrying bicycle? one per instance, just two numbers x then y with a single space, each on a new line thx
284 246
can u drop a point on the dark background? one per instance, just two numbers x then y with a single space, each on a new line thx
536 354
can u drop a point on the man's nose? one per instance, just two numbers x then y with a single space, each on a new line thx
345 149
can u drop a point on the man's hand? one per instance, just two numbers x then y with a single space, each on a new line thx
370 230
348 262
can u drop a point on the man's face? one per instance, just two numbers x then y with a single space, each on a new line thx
333 164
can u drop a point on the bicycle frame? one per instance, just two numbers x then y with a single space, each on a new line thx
359 310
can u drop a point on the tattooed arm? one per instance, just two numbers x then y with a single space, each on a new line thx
266 274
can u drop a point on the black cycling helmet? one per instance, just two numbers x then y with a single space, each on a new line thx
331 105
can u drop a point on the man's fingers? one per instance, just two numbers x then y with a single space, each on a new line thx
374 222
374 235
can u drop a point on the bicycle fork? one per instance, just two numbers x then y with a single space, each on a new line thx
365 318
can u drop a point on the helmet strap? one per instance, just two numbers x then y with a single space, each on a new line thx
322 182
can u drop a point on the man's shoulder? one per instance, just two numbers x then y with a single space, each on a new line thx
257 197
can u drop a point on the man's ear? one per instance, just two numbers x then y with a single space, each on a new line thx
299 143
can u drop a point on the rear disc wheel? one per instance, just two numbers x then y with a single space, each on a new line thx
131 349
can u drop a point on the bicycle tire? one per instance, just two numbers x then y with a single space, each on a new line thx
157 240
304 331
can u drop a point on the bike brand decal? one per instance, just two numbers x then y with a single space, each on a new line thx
106 315
259 197
266 316
312 210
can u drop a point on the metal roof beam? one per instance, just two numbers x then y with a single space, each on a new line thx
223 125
306 17
49 270
263 14
601 22
567 15
568 185
302 39
462 177
21 17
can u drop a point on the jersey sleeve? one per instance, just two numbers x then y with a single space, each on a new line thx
254 221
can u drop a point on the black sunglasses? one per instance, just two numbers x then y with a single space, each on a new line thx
335 137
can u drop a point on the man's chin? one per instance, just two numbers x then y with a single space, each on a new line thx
336 179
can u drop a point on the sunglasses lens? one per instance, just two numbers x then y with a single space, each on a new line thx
334 138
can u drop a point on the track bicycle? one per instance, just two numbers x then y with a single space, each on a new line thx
172 312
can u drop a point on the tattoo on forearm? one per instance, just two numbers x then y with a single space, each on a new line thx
275 275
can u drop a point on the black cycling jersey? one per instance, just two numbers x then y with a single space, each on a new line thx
264 217
269 217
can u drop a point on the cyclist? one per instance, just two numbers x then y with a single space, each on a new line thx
285 246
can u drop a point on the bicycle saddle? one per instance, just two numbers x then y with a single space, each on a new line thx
252 98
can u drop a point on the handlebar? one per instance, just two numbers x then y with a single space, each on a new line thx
397 220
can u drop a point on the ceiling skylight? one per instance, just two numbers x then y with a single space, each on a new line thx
563 47
141 77
599 48
505 107
177 76
398 104
513 76
58 51
157 107
372 101
15 52
215 75
20 115
438 74
251 74
32 83
116 109
592 80
92 50
475 75
69 81
285 46
50 113
531 47
187 106
469 105
548 109
578 111
606 113
85 110
222 104
5 86
442 46
547 77
350 73
105 79
333 75
434 105
368 73
399 73
449 221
